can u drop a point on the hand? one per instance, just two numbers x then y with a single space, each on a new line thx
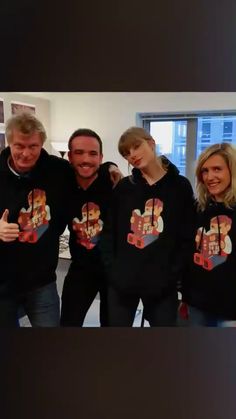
115 174
183 311
8 231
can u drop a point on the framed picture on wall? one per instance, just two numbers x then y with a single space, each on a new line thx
1 112
17 107
2 141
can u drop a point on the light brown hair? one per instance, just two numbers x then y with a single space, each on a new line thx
27 124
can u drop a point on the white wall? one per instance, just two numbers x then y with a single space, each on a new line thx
109 114
42 109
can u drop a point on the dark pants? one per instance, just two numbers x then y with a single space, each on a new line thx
202 318
42 307
80 289
159 312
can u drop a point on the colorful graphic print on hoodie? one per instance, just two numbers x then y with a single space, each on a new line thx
146 226
215 244
89 227
33 221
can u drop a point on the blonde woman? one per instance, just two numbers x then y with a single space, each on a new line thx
210 286
152 230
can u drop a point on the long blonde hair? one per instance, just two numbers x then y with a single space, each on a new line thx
228 153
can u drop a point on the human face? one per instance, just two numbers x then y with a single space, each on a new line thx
85 157
25 150
216 176
141 154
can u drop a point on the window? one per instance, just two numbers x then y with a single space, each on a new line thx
182 137
206 130
182 129
222 129
227 129
170 141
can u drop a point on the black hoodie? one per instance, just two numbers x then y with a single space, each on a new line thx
152 229
210 282
39 203
89 215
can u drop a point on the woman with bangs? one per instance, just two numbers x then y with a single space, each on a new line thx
210 286
153 214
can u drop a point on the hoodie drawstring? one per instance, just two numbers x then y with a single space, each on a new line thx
153 203
32 206
219 243
199 248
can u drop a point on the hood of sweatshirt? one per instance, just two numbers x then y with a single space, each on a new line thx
172 171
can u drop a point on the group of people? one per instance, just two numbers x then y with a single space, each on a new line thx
140 237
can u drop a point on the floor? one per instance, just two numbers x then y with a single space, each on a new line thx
91 319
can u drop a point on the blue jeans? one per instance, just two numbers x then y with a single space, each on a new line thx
202 318
42 307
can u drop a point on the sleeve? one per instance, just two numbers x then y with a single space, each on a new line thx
68 190
186 233
104 173
107 242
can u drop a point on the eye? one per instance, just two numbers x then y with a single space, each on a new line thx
126 154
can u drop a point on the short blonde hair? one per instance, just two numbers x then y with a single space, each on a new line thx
27 124
228 153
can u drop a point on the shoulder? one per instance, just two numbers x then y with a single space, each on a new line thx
56 166
58 162
126 183
183 184
184 192
104 167
182 180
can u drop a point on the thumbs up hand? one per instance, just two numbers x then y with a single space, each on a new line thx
5 215
8 231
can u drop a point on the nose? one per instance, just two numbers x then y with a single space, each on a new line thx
210 175
86 158
26 152
132 154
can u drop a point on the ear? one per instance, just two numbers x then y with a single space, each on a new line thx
101 157
152 144
69 156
